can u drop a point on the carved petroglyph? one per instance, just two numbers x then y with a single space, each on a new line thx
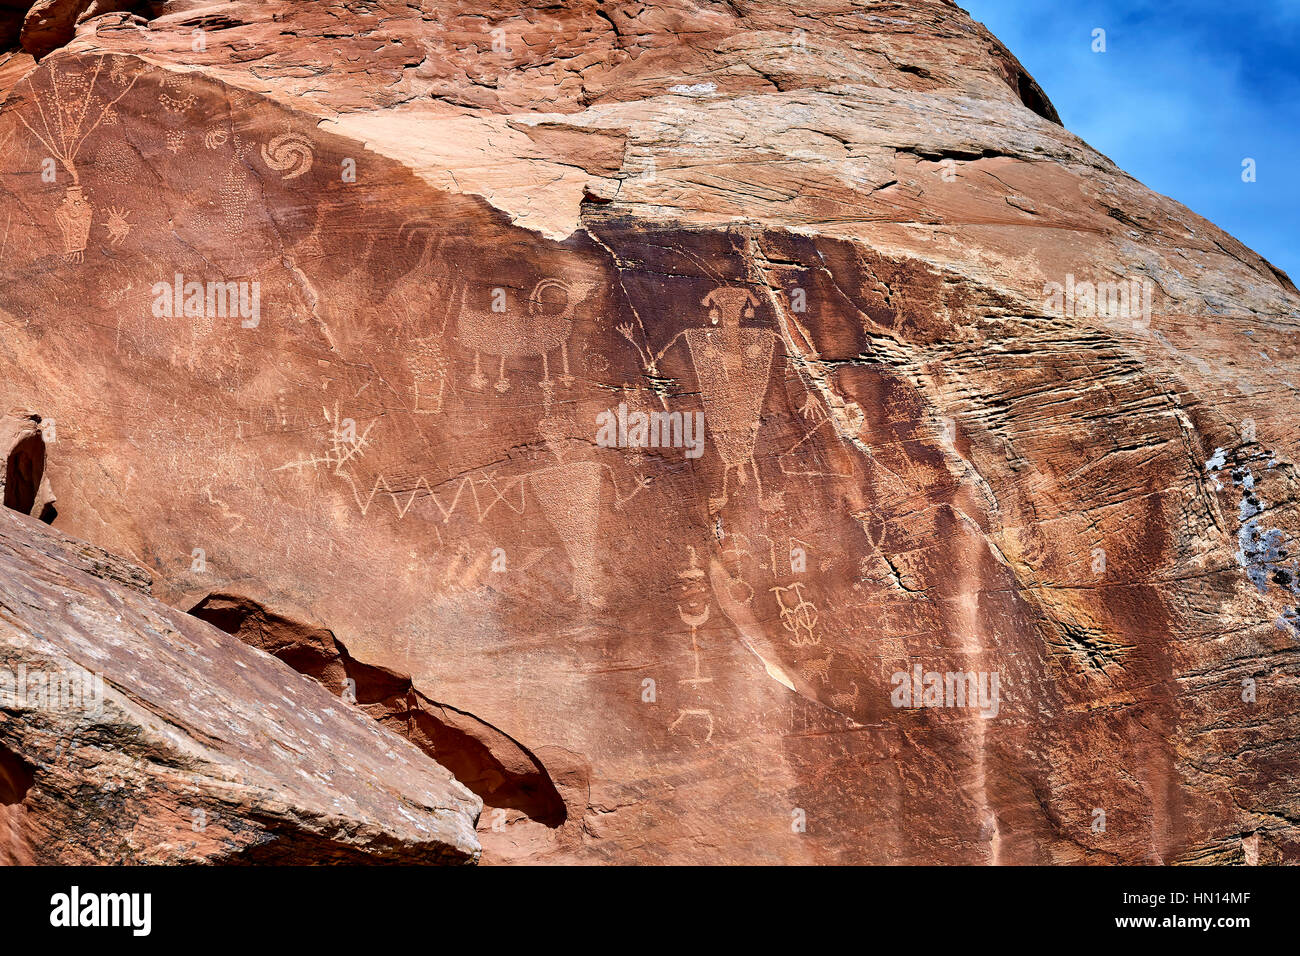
118 225
428 367
845 703
733 367
235 195
818 668
237 188
289 154
117 163
430 238
426 357
804 450
812 409
345 443
799 617
696 612
694 604
568 493
73 218
703 716
175 104
505 331
66 113
226 513
175 109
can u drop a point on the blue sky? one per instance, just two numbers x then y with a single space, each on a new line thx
1184 92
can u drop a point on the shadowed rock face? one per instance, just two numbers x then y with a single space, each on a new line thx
24 484
133 733
359 311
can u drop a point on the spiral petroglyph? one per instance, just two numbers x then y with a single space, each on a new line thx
288 154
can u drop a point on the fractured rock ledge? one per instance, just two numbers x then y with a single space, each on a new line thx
133 733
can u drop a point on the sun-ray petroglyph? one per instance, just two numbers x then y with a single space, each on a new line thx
118 225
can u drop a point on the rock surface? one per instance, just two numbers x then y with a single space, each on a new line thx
831 232
131 732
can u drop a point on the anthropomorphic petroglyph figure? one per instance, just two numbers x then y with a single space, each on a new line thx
693 605
73 219
569 495
695 596
511 332
66 114
733 366
429 374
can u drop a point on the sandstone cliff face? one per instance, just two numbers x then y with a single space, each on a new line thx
333 306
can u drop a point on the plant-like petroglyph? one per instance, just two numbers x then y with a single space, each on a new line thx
67 112
568 492
344 445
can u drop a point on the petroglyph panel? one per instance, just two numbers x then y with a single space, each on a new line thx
392 379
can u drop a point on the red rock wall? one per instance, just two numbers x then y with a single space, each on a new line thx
831 233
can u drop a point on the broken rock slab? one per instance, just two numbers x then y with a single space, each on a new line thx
133 733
